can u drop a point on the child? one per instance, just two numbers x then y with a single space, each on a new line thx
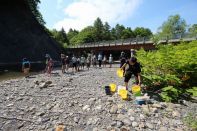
49 66
74 63
26 67
104 61
133 69
82 62
63 60
100 60
110 60
88 60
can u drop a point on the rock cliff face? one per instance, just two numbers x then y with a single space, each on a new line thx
22 36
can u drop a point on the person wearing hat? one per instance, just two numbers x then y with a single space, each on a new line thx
132 67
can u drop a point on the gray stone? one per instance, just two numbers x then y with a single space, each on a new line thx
135 124
114 109
176 114
149 125
76 119
119 124
154 110
142 116
163 129
141 125
113 123
132 118
121 117
127 122
86 107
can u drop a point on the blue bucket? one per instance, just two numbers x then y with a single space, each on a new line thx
140 102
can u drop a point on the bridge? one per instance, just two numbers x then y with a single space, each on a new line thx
131 43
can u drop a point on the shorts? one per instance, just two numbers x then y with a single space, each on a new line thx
88 65
128 75
74 64
82 64
26 70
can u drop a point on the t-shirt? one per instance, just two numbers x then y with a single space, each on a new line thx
82 59
133 68
74 60
100 57
63 61
88 60
122 59
110 59
26 64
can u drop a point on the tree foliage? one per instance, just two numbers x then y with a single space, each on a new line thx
142 32
84 36
101 31
60 37
33 4
171 69
193 29
174 25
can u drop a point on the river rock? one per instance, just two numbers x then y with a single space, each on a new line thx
135 124
127 121
176 114
114 109
149 125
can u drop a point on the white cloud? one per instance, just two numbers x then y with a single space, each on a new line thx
82 13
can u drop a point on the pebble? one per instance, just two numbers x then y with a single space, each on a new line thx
163 129
135 124
132 118
82 105
119 124
127 121
149 125
114 109
176 114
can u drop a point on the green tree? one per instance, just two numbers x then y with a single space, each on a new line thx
193 29
85 36
98 27
60 36
119 31
127 33
142 32
63 37
113 34
174 25
71 33
106 32
33 4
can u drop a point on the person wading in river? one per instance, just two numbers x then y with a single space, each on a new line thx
132 67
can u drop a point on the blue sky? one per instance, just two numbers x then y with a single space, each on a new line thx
131 13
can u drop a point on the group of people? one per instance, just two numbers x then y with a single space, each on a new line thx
80 62
129 65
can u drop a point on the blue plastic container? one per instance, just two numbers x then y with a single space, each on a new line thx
140 102
107 90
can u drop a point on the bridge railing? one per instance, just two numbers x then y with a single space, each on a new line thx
138 40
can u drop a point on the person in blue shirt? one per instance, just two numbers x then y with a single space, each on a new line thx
26 67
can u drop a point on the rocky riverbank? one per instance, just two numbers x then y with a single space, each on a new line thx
79 103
